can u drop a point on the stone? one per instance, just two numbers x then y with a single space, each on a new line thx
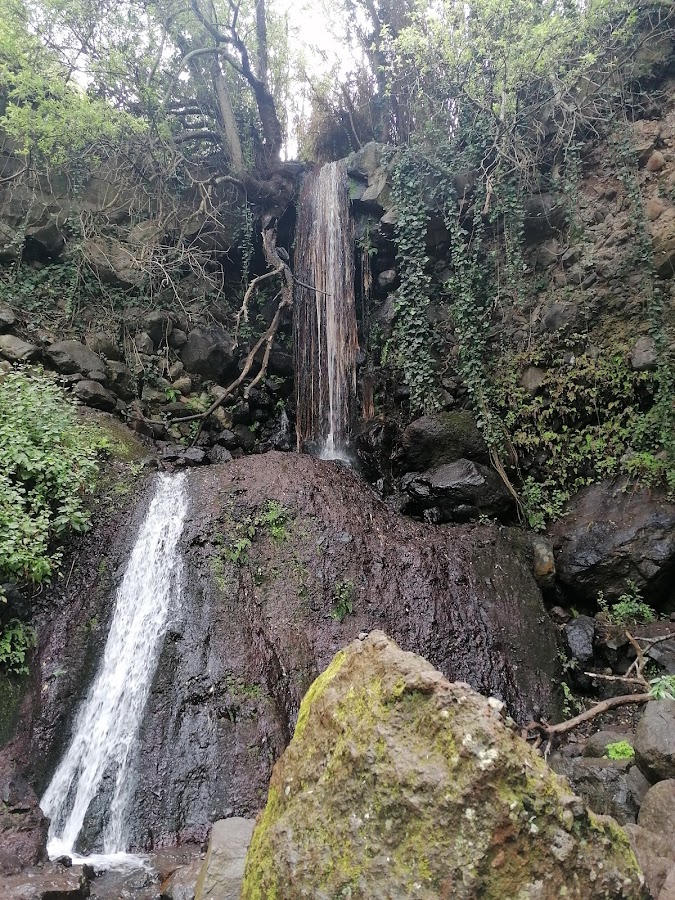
177 339
103 345
175 370
159 325
653 209
222 873
543 561
668 889
596 744
52 883
654 853
7 317
144 343
602 784
388 280
456 492
657 812
182 883
559 315
399 783
644 356
228 439
646 134
612 533
208 352
121 381
532 379
442 438
245 437
14 349
91 393
637 784
23 827
219 454
579 636
656 161
183 385
69 357
655 740
184 456
114 262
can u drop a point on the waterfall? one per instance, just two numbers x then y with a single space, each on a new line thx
325 332
104 743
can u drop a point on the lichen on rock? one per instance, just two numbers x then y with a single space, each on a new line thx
399 783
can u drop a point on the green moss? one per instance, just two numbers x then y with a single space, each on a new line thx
316 689
12 691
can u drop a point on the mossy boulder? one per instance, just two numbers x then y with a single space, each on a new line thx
398 783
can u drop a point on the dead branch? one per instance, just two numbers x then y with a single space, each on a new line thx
588 715
285 295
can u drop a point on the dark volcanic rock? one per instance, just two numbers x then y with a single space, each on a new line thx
655 740
579 634
23 827
442 438
208 352
52 883
15 349
259 622
603 784
456 492
94 394
69 357
612 534
657 812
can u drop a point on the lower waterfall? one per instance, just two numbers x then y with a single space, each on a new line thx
103 746
325 329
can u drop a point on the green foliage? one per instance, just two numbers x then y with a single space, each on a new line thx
413 339
47 467
590 418
16 640
662 688
272 519
629 609
343 600
619 750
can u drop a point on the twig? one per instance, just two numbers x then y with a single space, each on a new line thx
587 715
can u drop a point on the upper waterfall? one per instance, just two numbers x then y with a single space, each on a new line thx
104 742
326 340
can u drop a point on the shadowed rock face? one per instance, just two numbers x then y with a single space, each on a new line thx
400 784
265 591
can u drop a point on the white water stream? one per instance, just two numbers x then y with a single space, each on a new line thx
105 734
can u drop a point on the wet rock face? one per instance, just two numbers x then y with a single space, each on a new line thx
398 783
456 492
442 438
23 827
655 740
613 534
287 559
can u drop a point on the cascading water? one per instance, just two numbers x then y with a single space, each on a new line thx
326 340
105 734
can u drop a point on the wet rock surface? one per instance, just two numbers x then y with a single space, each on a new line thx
611 534
603 784
456 492
286 559
381 733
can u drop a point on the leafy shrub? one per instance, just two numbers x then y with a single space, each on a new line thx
16 639
663 688
47 465
629 609
620 750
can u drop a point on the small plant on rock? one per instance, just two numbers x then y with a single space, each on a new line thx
343 600
662 688
629 609
16 640
620 750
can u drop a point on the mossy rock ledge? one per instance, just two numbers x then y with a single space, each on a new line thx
400 784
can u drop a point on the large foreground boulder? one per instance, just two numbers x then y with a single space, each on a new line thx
398 783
